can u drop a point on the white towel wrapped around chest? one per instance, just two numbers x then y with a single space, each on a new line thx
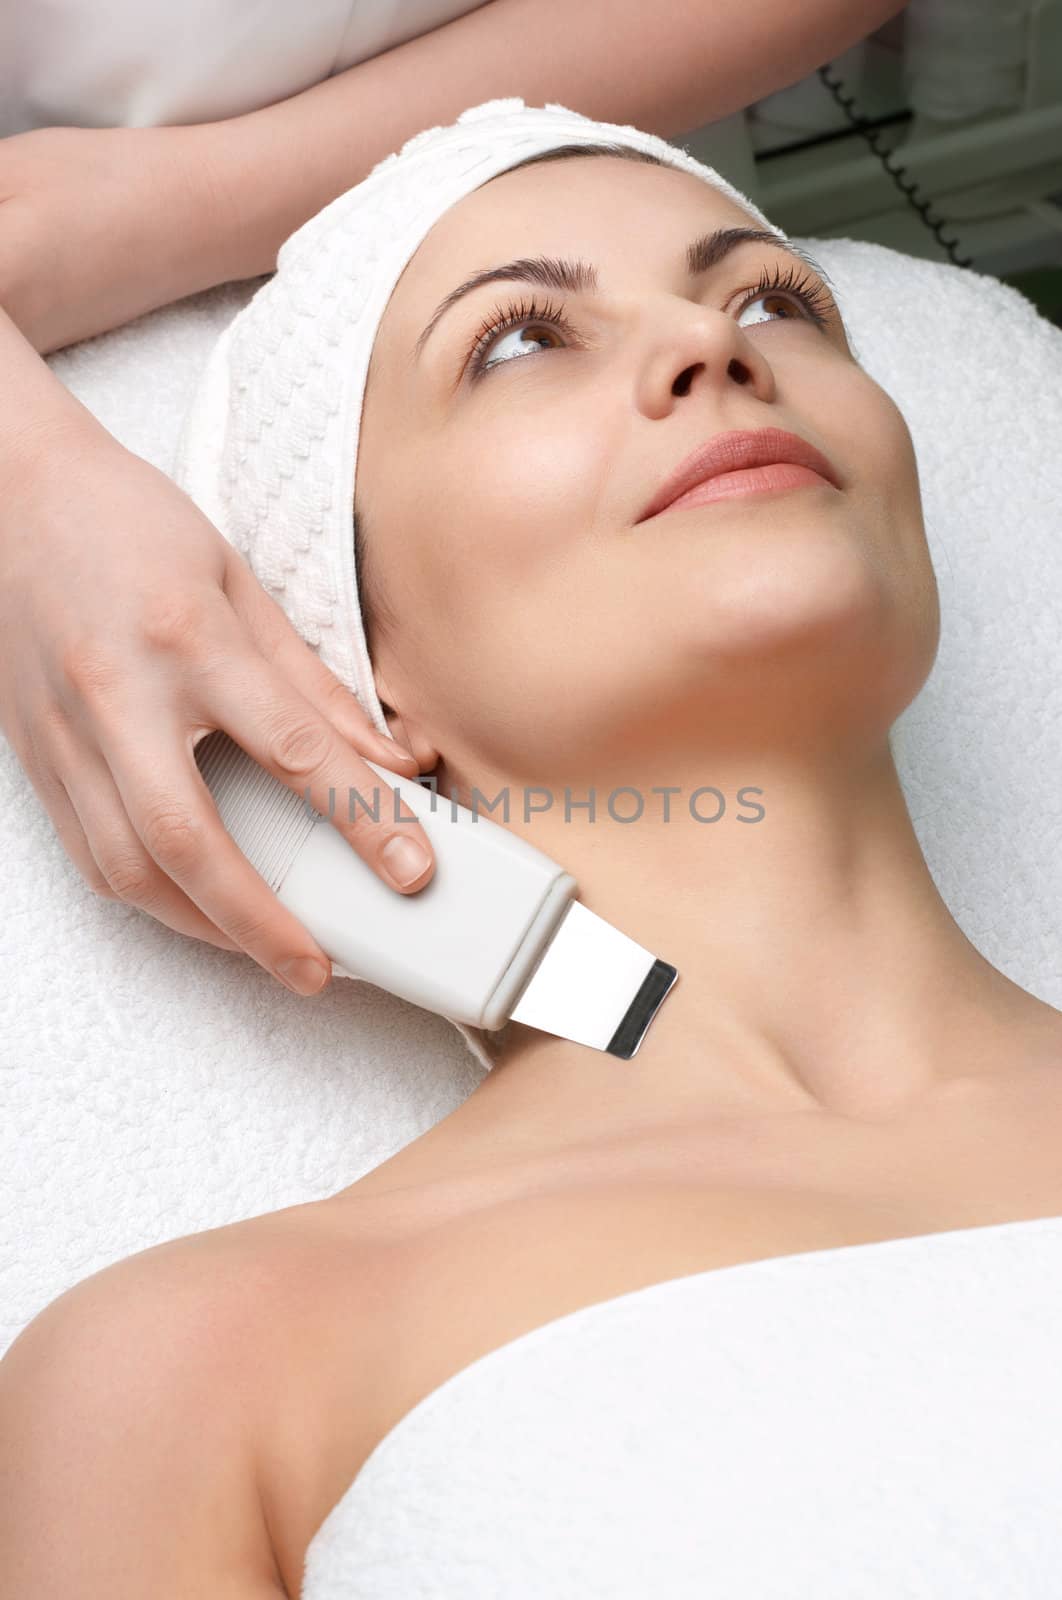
874 1422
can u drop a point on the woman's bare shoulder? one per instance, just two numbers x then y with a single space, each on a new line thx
233 1372
127 1443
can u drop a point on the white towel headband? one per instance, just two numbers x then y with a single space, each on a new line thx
269 447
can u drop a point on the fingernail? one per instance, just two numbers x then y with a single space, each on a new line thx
302 974
404 861
391 750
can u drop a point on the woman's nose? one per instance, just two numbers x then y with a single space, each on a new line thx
700 349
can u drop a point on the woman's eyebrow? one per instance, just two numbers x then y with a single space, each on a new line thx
704 253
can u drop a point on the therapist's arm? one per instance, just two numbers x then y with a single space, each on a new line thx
666 67
99 225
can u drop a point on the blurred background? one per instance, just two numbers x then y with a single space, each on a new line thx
939 135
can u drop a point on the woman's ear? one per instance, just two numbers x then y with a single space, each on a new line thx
408 734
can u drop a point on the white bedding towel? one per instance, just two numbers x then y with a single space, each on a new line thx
152 1086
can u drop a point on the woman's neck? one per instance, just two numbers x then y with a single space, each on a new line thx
819 967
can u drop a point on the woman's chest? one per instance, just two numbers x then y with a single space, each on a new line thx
444 1293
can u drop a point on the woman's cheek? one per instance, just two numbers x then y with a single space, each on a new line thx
541 471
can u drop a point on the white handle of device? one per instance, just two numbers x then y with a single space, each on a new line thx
464 946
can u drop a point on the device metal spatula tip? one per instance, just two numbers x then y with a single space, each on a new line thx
595 985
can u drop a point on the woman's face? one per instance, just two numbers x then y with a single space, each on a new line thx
545 632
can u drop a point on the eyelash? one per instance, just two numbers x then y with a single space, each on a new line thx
503 319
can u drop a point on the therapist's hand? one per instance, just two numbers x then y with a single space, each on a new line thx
130 628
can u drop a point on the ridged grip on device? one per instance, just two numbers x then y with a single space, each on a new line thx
266 819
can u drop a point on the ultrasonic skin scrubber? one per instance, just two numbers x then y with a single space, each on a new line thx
496 934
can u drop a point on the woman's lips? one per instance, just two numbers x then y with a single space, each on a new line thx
751 480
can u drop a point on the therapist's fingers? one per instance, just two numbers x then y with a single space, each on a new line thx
173 814
94 830
280 643
256 705
165 840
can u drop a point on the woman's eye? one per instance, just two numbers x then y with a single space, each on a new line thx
507 330
510 346
790 310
